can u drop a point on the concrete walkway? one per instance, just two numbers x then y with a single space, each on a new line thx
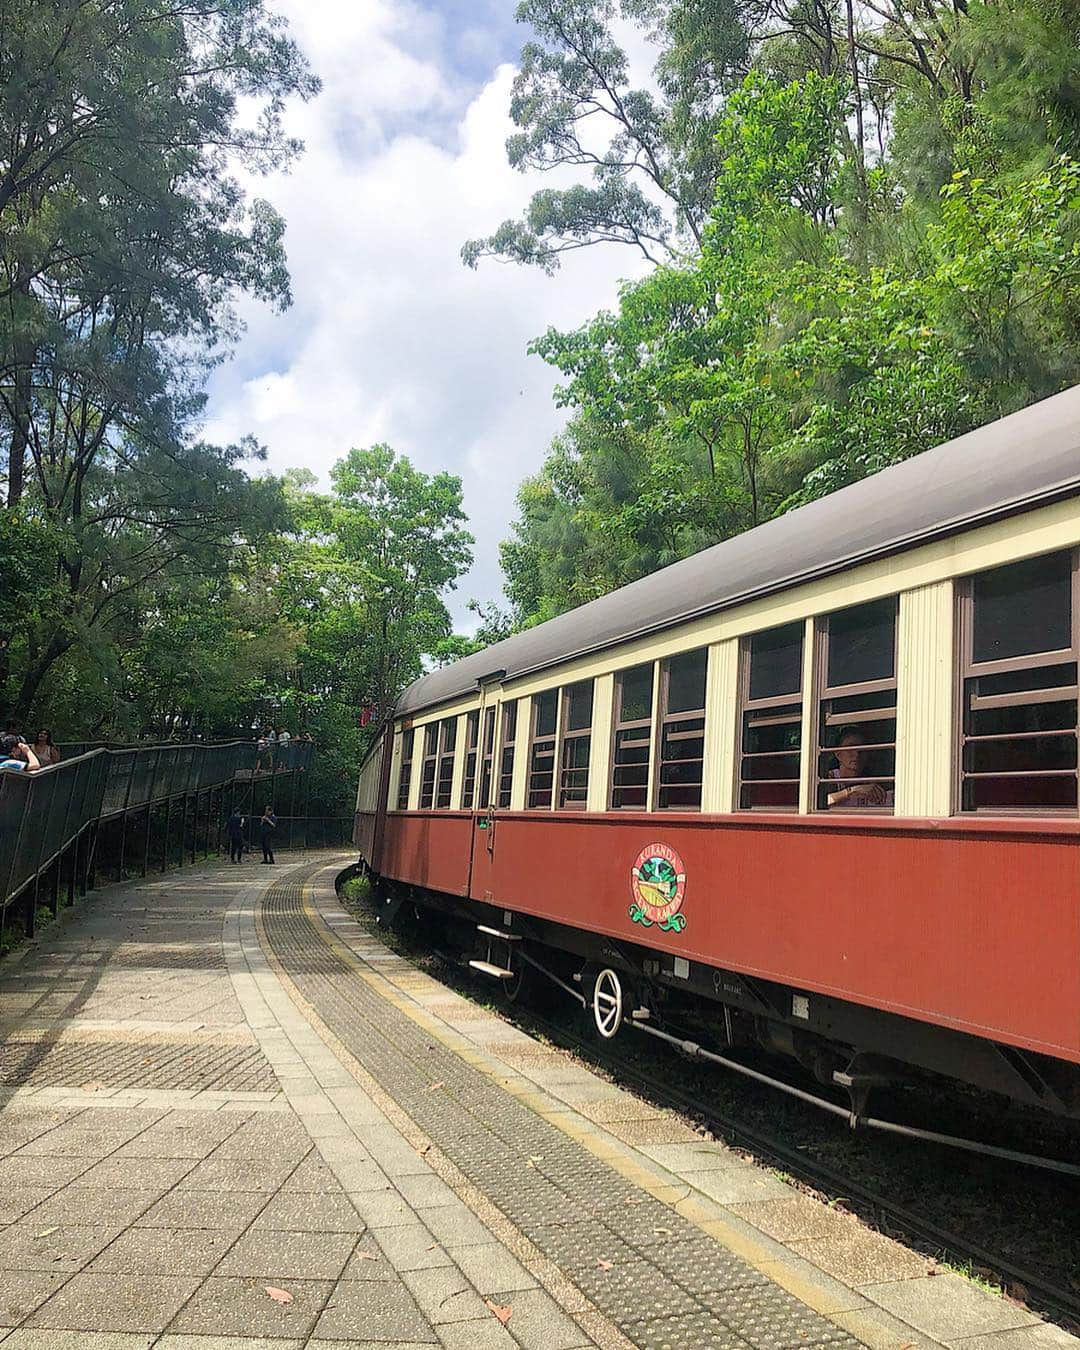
230 1118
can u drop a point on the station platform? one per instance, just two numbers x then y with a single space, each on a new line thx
231 1118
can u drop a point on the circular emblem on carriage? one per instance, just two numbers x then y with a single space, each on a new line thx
658 885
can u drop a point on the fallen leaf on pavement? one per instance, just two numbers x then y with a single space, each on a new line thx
502 1311
278 1295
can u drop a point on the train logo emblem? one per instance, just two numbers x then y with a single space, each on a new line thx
658 884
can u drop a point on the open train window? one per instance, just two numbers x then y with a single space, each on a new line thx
770 719
682 731
506 753
487 758
856 744
545 714
427 766
633 739
472 737
405 777
447 745
576 737
1019 652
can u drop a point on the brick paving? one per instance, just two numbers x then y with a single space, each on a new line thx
211 1093
153 1181
657 1277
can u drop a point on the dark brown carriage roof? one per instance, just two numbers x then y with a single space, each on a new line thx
1019 462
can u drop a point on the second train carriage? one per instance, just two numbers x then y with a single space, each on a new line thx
817 782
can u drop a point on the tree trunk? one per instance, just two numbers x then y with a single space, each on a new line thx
860 131
35 673
23 354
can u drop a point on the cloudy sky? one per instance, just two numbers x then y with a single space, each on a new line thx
389 337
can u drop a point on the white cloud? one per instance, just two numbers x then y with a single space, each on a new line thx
390 337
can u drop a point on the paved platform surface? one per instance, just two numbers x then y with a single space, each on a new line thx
230 1118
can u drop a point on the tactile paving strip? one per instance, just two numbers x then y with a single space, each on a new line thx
671 1289
70 1061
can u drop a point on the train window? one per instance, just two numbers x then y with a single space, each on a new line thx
405 777
427 766
472 737
856 744
506 753
771 720
682 731
1022 609
576 739
861 644
545 709
487 759
447 745
633 739
1019 725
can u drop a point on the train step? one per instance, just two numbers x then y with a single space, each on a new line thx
489 968
498 933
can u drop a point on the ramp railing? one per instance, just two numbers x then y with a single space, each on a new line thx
53 820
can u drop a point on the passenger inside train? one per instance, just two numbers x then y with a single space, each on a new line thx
851 764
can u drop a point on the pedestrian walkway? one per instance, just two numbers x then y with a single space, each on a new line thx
232 1119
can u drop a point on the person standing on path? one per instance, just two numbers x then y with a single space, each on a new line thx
267 826
235 825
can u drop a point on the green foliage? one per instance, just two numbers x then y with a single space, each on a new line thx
830 325
154 584
125 239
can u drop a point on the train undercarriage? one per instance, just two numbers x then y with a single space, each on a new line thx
847 1052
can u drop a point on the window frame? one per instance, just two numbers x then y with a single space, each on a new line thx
429 756
745 706
444 782
472 757
486 758
617 724
824 692
504 784
967 668
663 717
567 737
408 739
534 741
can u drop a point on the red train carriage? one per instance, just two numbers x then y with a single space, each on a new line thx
816 785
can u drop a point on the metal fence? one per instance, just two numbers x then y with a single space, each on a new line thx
51 820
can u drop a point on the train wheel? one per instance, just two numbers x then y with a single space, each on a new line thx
607 1003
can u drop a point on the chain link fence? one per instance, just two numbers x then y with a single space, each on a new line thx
133 807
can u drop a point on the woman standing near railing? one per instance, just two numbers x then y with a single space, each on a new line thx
47 751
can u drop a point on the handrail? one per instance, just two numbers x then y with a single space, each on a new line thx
44 813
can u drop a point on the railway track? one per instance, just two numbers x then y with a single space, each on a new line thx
872 1205
1050 1296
